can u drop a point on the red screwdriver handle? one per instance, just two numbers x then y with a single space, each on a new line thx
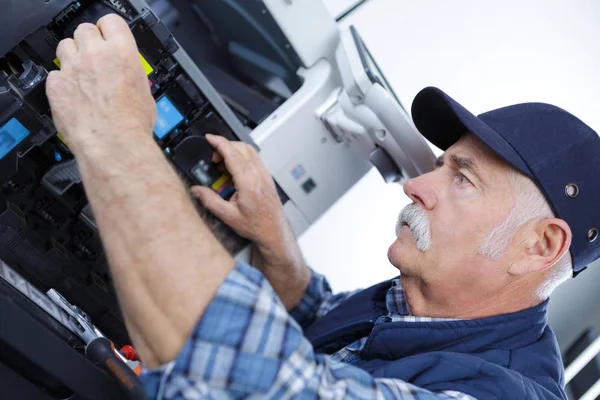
101 351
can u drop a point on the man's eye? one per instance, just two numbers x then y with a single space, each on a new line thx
461 179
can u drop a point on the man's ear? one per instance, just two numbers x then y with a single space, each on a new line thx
542 244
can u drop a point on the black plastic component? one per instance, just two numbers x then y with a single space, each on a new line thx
62 177
252 37
51 264
13 105
76 17
385 165
180 98
43 43
161 32
16 387
32 83
190 89
31 16
283 197
9 292
153 38
210 123
47 231
32 263
46 363
88 217
245 100
309 185
192 156
31 76
9 100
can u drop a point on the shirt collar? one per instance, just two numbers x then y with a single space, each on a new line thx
395 301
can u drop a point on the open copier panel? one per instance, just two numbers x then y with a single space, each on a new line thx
47 230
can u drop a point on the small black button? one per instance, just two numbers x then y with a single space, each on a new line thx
309 185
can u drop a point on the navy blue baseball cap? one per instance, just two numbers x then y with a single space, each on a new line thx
554 148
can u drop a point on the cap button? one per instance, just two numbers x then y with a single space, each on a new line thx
592 235
572 190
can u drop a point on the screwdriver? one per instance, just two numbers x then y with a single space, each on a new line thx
99 349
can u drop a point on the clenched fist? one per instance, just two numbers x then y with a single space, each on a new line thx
101 92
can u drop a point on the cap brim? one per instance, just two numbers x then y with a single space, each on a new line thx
442 121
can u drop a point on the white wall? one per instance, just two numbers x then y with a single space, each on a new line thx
486 54
338 7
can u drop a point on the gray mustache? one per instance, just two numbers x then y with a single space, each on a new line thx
416 218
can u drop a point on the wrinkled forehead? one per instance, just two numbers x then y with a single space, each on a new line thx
490 165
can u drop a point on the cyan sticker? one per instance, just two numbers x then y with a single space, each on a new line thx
11 134
298 172
167 117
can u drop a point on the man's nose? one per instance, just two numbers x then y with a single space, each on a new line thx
420 191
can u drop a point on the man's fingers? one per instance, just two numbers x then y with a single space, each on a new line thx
66 50
87 36
54 89
214 203
234 160
52 84
216 157
114 29
245 149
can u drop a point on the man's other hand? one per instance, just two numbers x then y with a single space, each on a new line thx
255 212
101 93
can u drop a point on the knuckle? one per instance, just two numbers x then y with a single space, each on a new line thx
52 81
258 191
52 77
84 26
110 20
94 55
90 52
63 43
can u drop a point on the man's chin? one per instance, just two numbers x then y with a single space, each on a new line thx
403 251
396 250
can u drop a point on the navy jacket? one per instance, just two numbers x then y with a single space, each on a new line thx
512 356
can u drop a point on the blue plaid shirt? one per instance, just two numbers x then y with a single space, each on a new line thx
247 345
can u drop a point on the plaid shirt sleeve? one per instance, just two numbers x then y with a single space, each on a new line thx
317 301
247 345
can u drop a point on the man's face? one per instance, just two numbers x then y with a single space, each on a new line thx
454 208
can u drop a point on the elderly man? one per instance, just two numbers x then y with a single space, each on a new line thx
509 213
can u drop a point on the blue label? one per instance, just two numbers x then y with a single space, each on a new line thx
167 117
11 134
298 172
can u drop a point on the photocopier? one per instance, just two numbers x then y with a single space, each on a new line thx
278 74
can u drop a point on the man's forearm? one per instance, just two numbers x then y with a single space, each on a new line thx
166 264
285 270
